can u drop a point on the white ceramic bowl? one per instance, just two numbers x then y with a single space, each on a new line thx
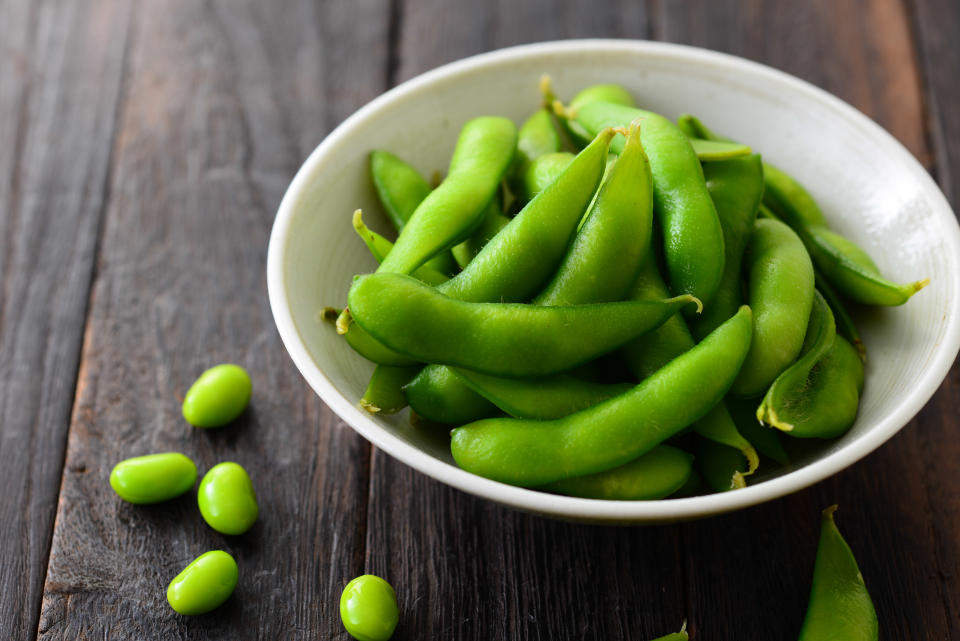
870 187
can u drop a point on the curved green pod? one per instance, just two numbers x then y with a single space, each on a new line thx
604 256
823 404
736 187
540 173
379 248
766 440
401 189
530 453
780 286
493 222
606 92
845 324
502 339
654 475
519 260
543 398
537 136
453 210
362 343
717 151
646 355
722 468
384 393
840 606
693 238
436 393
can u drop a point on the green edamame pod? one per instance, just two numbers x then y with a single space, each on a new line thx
518 261
501 339
654 475
605 254
531 453
537 136
722 468
716 150
439 395
364 344
845 325
766 440
384 393
608 92
736 187
824 405
543 398
493 222
693 239
401 189
781 290
676 636
840 606
648 354
379 248
540 173
453 210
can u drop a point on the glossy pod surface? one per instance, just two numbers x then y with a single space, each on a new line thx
840 606
439 395
204 584
654 475
153 478
368 608
227 500
512 340
531 453
384 393
219 396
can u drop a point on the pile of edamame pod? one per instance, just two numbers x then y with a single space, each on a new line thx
607 304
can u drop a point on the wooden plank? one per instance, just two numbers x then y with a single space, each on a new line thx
60 79
465 568
890 503
224 100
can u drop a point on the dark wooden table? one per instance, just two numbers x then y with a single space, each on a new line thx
144 147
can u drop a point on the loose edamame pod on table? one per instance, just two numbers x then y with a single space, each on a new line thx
203 585
453 210
693 239
780 286
227 500
218 396
368 608
512 340
604 256
532 453
153 478
401 189
840 606
654 475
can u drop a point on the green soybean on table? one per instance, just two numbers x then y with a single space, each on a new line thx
145 148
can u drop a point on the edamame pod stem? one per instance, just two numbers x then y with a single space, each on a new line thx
531 453
401 189
501 339
840 606
843 263
384 393
379 248
543 398
780 287
608 92
605 254
845 326
439 395
693 238
648 354
453 210
519 260
654 475
736 187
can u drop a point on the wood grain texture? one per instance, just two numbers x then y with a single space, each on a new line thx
863 52
60 77
224 100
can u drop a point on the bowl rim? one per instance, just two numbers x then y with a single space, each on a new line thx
596 510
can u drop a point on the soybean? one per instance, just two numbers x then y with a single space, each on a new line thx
227 500
203 585
218 397
368 608
153 478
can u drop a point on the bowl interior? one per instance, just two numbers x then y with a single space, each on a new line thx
871 189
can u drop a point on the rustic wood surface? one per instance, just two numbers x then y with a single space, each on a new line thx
145 147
